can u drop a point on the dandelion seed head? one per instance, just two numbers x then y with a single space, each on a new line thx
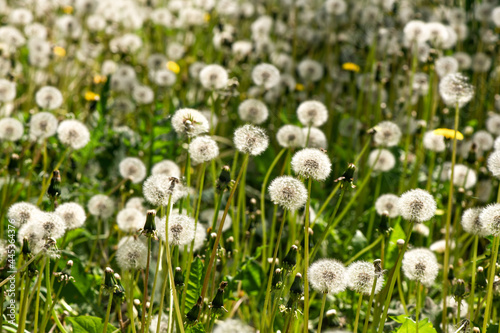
464 176
253 111
7 91
130 220
21 213
137 203
181 230
317 138
360 276
189 122
421 265
51 224
43 125
493 163
327 276
445 66
131 254
233 325
49 98
157 189
288 192
381 160
167 168
387 203
455 89
312 113
163 324
250 139
493 124
310 70
101 206
10 129
471 223
164 77
452 302
416 32
434 142
72 214
483 140
290 136
34 235
73 133
213 77
417 205
143 94
266 75
132 168
490 219
311 163
203 149
387 134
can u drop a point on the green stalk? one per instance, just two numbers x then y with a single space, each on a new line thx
358 309
370 303
108 310
394 277
24 305
473 282
446 263
417 309
155 280
271 272
491 278
372 214
130 302
145 296
323 301
37 299
263 207
48 301
306 257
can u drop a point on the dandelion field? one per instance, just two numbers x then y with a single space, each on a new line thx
261 166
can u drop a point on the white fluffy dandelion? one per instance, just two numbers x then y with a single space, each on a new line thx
7 91
434 142
167 168
471 223
360 276
455 90
493 163
381 160
181 230
203 149
11 129
73 133
327 276
387 134
290 136
101 205
131 254
158 188
463 176
43 125
213 77
417 205
72 214
130 220
250 139
317 139
490 219
49 98
266 75
51 224
311 163
312 113
233 325
253 111
189 122
21 213
288 192
387 203
132 168
420 265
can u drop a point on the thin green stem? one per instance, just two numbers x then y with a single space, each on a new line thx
417 308
370 303
108 311
320 322
358 310
473 282
145 294
306 256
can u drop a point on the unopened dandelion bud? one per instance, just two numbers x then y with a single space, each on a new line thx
277 282
481 278
459 290
348 176
192 315
377 264
290 259
476 330
178 278
13 166
451 273
297 289
229 245
26 250
65 274
400 243
218 301
109 279
54 189
119 292
150 225
224 179
383 227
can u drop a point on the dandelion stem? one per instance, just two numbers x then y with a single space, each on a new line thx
130 301
448 222
323 302
271 272
306 256
358 309
417 308
473 282
155 280
370 303
108 310
263 206
146 278
491 279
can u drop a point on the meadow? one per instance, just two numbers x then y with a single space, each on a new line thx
236 166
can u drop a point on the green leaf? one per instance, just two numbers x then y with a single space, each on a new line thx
409 326
198 328
492 329
89 324
251 276
194 284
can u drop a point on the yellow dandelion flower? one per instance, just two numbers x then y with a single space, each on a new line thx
448 133
67 10
206 17
99 79
349 66
91 96
299 87
174 67
59 51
